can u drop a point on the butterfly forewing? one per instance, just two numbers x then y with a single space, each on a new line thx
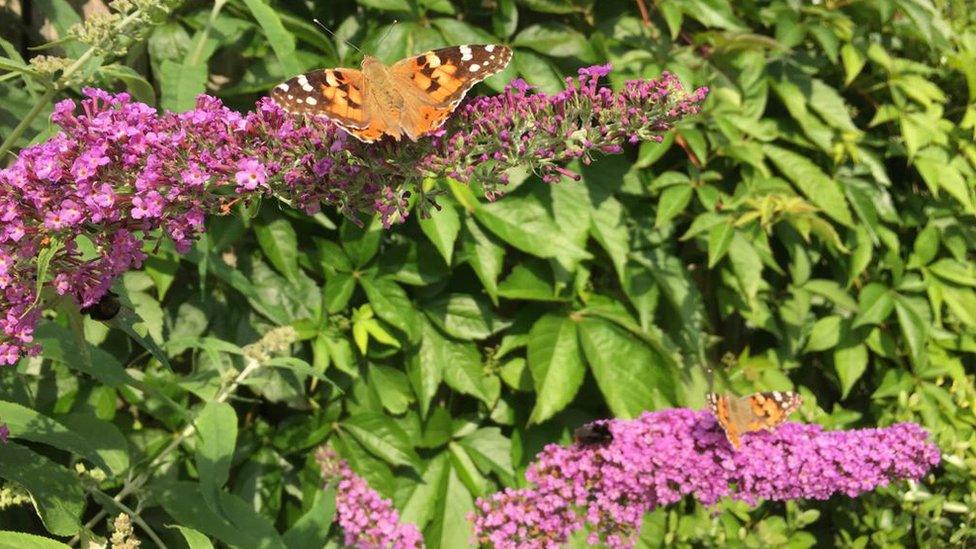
336 93
445 75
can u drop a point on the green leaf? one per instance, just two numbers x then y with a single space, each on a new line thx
139 88
387 5
464 316
449 526
391 303
822 190
631 376
672 202
279 243
519 220
27 424
420 505
609 230
850 362
21 540
180 85
719 240
484 255
392 386
556 364
746 264
490 450
465 373
530 280
556 40
383 438
557 6
312 529
281 41
538 71
56 493
914 327
466 470
360 243
107 441
240 525
874 305
194 539
442 229
337 292
954 271
217 433
825 334
425 367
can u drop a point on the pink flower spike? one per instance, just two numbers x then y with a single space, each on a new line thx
661 457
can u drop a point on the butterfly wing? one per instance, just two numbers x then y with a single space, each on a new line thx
769 409
719 406
434 82
338 94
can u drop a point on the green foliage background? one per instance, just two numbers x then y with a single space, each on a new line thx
811 230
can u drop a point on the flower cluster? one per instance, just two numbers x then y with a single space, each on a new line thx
79 209
368 520
123 535
663 456
4 433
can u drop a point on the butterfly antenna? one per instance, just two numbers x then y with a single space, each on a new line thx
387 33
328 30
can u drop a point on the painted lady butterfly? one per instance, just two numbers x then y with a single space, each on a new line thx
413 96
758 411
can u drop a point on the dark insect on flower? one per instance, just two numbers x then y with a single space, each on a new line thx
593 434
105 309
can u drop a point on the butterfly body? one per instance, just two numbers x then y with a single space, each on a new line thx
412 97
755 412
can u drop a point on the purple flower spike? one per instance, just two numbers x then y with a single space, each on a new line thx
4 433
664 456
119 174
367 519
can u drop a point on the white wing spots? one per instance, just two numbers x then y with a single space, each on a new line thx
282 87
490 48
290 96
303 82
311 101
474 68
465 53
778 396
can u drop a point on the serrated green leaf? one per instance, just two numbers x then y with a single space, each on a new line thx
217 434
442 229
630 375
383 438
556 363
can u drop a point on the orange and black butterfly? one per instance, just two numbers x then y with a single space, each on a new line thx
755 412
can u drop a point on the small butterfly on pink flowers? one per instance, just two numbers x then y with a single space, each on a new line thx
755 412
413 96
